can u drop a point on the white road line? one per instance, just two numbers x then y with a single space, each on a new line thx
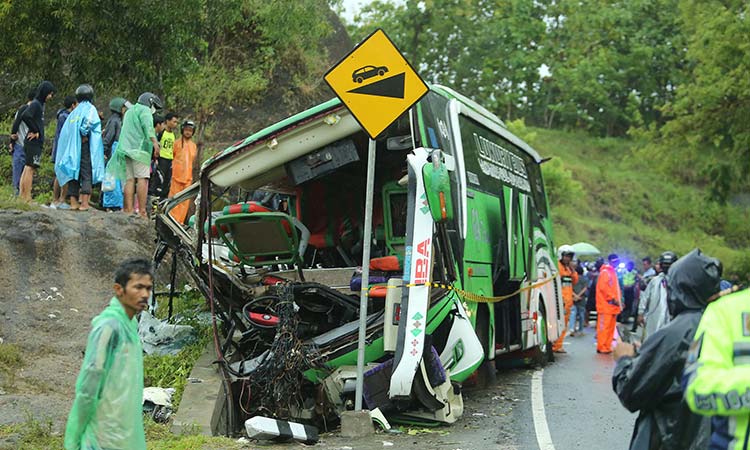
543 437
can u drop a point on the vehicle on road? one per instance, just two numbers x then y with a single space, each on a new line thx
460 271
363 73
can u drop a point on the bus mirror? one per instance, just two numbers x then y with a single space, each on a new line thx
438 188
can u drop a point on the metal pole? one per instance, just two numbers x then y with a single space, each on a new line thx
365 275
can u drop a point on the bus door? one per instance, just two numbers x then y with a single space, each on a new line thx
510 269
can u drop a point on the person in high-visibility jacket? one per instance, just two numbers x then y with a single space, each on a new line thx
569 278
608 305
717 371
184 151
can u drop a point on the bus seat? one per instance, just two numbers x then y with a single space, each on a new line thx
257 236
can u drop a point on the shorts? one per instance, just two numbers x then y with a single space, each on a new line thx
135 169
33 151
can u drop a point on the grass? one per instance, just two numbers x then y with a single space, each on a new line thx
602 191
10 362
32 434
173 371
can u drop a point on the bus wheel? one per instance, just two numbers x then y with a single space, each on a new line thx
543 353
486 373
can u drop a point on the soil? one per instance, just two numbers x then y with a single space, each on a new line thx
57 274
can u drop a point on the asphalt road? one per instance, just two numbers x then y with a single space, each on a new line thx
580 411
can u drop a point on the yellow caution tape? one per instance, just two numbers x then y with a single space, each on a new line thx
466 294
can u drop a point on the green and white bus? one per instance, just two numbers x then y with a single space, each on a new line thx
461 272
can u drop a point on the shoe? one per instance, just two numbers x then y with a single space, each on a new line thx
572 334
63 206
561 350
604 353
53 205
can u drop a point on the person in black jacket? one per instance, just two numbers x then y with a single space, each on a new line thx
33 117
649 379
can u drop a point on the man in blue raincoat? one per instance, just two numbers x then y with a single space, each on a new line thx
80 151
107 410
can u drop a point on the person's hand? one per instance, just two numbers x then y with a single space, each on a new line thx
641 320
31 135
14 137
84 139
157 150
623 349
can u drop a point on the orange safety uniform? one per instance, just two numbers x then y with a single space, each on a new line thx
608 306
182 174
569 278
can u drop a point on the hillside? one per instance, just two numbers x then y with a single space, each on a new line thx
604 191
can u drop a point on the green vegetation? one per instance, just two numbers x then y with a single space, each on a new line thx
173 371
10 362
32 434
671 71
603 191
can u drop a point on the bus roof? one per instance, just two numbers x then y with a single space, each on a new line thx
329 113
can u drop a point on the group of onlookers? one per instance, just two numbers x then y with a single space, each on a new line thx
135 154
683 365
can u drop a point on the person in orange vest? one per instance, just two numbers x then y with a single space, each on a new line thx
184 151
608 305
568 277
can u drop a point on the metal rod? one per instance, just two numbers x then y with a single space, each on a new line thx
365 275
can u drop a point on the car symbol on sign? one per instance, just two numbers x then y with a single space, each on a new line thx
363 73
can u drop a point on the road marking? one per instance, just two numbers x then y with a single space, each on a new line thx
543 437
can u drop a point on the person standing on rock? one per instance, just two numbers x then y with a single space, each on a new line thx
59 193
17 137
80 158
33 117
132 159
185 151
107 409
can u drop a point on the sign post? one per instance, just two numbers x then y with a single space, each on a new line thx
377 84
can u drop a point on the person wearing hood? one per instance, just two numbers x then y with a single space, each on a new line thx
112 200
33 117
131 162
653 311
59 193
17 136
80 158
649 379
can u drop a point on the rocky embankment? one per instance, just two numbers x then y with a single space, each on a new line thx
57 274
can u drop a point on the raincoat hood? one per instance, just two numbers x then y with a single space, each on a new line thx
44 89
691 281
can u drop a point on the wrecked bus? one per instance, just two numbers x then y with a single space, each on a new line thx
460 272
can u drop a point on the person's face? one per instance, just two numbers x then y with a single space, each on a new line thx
172 123
123 109
187 132
135 294
566 258
646 265
159 127
657 267
49 96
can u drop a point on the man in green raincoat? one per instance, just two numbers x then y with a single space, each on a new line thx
131 162
107 410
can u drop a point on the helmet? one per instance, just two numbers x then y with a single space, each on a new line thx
150 100
84 92
116 104
187 124
666 259
565 250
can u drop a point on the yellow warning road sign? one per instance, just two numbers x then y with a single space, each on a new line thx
376 83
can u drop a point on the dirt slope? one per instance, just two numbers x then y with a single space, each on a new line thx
57 274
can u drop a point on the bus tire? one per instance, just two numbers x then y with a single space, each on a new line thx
486 372
543 353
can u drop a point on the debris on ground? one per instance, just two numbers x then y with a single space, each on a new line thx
158 403
161 338
260 427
